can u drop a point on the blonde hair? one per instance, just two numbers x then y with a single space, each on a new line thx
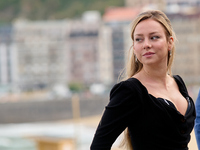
134 66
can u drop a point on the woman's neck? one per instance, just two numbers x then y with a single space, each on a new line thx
154 73
154 76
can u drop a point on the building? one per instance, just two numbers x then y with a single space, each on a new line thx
153 4
105 55
184 2
41 53
117 24
8 73
161 3
187 58
83 50
61 52
169 6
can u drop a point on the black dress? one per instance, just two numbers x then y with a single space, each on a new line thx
153 123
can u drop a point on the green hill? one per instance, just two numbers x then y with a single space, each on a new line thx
51 9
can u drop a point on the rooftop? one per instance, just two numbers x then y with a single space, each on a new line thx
120 14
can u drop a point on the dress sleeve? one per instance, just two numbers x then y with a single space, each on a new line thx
121 109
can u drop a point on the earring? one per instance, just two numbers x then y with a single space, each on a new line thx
136 60
170 52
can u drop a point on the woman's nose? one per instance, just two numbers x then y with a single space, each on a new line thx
146 44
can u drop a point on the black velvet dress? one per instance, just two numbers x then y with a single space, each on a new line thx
153 123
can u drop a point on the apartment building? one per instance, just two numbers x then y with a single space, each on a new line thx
42 53
184 2
83 50
187 58
169 6
118 21
8 73
105 55
161 3
90 50
60 52
153 4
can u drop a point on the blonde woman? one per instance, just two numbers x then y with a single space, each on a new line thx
153 105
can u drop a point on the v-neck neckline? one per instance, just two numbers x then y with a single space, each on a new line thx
166 99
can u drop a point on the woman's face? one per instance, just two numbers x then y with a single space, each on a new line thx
150 43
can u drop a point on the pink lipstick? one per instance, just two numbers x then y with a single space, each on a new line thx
148 54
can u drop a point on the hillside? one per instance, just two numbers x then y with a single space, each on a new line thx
51 9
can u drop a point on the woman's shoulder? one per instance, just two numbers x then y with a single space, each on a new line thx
178 78
125 92
128 85
181 83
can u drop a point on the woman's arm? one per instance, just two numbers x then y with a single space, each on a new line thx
116 116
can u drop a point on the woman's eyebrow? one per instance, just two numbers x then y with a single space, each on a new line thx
154 32
140 34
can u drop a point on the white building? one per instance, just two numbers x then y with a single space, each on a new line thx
8 70
42 53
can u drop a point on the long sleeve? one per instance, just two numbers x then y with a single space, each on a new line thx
123 104
197 121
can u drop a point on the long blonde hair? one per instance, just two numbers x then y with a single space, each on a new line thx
133 66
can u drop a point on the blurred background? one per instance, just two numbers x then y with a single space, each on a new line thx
60 58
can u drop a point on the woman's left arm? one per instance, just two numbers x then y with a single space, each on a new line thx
116 116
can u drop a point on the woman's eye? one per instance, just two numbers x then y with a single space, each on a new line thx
138 39
155 37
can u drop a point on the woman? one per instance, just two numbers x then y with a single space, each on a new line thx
152 104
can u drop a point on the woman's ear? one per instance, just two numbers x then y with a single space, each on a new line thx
133 46
170 43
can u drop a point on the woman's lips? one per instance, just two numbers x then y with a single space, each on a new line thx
148 54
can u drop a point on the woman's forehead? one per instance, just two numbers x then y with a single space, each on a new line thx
148 26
